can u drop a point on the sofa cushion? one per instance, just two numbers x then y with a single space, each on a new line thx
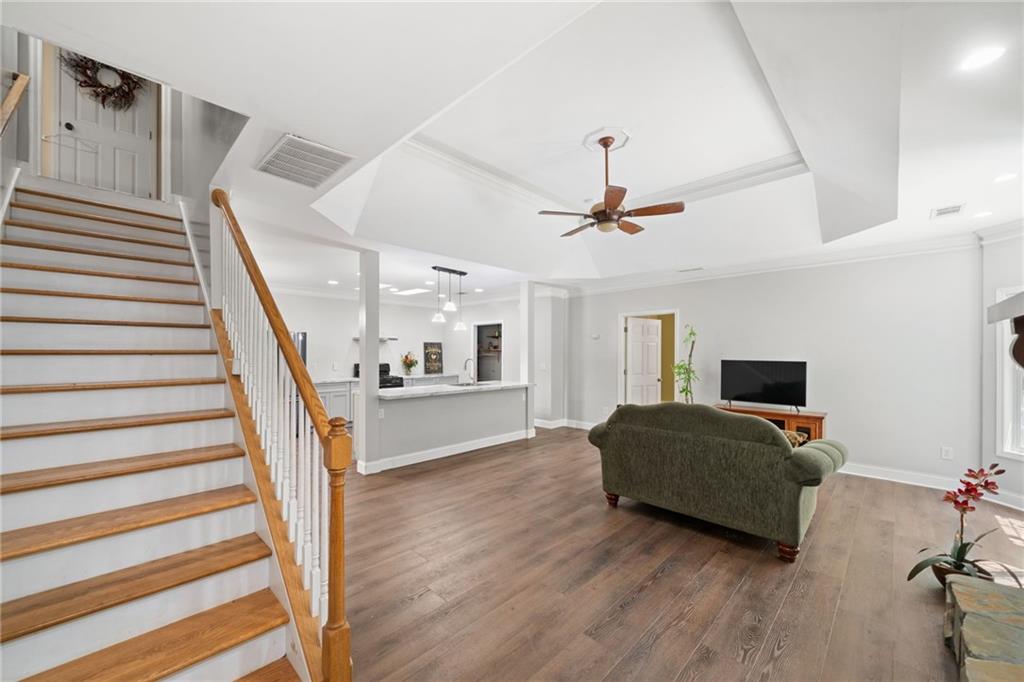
815 461
699 420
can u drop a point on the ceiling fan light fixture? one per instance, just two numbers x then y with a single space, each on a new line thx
607 226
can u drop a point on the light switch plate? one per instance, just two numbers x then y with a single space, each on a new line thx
946 452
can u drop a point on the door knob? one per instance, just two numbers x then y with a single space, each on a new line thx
69 125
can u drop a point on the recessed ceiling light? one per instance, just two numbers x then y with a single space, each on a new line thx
479 291
358 273
429 281
411 292
1005 177
393 289
983 56
357 288
384 286
442 296
332 282
983 214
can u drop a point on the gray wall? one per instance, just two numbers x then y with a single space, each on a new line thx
893 349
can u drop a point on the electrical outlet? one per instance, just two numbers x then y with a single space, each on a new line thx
945 452
335 366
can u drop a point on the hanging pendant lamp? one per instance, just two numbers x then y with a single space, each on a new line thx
438 317
460 326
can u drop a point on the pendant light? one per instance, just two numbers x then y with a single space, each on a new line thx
460 326
449 304
438 317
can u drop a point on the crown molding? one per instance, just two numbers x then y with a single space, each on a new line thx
1013 229
929 247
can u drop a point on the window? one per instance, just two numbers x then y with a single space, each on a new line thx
1010 386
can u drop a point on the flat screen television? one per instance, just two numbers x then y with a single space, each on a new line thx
765 381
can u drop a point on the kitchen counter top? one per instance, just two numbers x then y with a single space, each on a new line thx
447 389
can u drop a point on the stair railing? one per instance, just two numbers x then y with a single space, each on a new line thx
307 454
12 100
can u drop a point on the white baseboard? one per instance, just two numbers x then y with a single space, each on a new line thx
379 465
1004 498
551 423
577 424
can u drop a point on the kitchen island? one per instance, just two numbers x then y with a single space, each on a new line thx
420 423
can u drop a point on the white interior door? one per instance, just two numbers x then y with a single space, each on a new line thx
104 148
643 361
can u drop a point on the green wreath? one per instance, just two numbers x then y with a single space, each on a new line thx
86 72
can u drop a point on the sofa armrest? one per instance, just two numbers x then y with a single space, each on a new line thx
598 434
814 462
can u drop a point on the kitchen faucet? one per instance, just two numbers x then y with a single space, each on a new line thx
465 366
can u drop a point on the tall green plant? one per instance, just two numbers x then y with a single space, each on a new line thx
686 376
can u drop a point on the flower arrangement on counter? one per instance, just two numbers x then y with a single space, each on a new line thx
408 361
974 485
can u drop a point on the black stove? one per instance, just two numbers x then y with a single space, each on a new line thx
387 380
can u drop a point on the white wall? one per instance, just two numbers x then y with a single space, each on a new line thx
1002 267
330 324
892 348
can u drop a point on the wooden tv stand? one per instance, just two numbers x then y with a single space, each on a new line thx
810 423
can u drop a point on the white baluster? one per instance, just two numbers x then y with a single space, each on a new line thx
300 476
325 540
309 500
316 471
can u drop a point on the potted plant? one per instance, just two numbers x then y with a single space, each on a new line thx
684 371
408 361
975 484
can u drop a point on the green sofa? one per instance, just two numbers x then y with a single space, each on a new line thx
731 469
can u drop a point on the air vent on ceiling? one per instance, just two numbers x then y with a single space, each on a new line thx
302 161
947 211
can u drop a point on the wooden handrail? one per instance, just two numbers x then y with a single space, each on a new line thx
12 100
300 374
336 661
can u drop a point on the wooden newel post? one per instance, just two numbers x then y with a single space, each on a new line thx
337 643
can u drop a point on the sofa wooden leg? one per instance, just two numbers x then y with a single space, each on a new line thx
613 499
788 552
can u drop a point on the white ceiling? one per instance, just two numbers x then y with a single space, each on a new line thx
468 118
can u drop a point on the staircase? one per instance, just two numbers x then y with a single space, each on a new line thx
129 546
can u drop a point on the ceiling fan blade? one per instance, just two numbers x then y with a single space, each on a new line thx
657 209
579 215
578 229
629 228
613 196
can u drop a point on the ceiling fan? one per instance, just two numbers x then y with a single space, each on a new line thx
608 215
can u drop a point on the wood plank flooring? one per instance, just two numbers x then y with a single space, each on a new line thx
507 564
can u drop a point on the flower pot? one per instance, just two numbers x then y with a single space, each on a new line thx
941 571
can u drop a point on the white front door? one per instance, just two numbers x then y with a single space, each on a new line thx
643 361
104 148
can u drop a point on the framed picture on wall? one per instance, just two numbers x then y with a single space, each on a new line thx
432 359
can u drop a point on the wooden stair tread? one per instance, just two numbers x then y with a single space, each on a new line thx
97 273
108 385
33 539
97 204
38 611
89 471
29 244
166 650
107 351
101 297
78 232
278 671
104 323
107 423
92 216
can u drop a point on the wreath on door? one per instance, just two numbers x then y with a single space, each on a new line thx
112 88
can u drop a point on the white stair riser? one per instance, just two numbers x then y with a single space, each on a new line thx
52 369
34 507
100 309
95 243
42 218
96 336
25 454
35 408
61 281
47 570
65 642
165 209
237 661
23 254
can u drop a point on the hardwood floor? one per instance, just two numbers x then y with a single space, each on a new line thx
507 564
